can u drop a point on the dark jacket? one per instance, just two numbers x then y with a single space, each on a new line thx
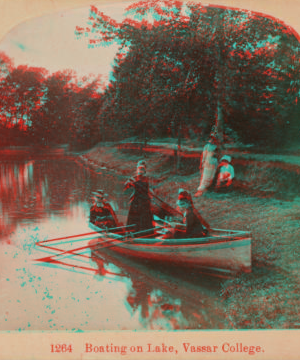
140 213
103 216
194 225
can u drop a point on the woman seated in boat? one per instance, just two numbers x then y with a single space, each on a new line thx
194 226
140 215
101 213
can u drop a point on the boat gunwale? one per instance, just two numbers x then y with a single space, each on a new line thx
182 251
160 245
187 242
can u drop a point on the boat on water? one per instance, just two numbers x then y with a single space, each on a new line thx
224 252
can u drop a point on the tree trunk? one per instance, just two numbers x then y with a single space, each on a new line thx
219 124
178 146
173 134
145 143
220 79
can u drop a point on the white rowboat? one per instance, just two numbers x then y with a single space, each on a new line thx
222 251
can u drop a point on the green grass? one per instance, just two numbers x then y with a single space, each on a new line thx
266 203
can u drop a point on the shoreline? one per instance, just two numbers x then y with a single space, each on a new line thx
256 174
261 299
266 298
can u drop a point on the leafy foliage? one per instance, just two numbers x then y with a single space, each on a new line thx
37 108
191 64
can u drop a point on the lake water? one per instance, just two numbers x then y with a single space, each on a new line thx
48 198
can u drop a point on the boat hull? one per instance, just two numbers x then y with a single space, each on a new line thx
223 252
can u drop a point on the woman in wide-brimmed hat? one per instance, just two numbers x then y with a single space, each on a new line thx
101 213
140 213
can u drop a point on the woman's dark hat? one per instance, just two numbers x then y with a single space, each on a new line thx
184 195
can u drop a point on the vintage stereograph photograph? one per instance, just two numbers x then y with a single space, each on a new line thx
150 177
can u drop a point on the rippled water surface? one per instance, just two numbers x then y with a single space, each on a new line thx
49 198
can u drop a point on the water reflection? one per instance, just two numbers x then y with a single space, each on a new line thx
43 199
161 301
36 189
157 310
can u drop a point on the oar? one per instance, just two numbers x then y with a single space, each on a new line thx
162 201
169 206
69 251
167 222
73 266
80 235
74 251
236 231
67 237
131 238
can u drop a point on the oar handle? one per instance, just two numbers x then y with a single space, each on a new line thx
162 201
166 221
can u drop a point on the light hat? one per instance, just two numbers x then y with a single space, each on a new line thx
142 163
226 158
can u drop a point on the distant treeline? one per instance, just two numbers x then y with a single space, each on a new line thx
181 69
42 109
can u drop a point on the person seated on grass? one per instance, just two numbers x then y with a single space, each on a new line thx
142 163
224 175
101 213
194 226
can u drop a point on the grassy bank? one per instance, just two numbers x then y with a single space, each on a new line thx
265 201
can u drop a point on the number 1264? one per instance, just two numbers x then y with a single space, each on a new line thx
61 348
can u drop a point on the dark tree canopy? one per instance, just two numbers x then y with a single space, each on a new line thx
181 69
200 65
38 108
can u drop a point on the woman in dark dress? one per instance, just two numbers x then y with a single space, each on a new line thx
140 214
194 226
